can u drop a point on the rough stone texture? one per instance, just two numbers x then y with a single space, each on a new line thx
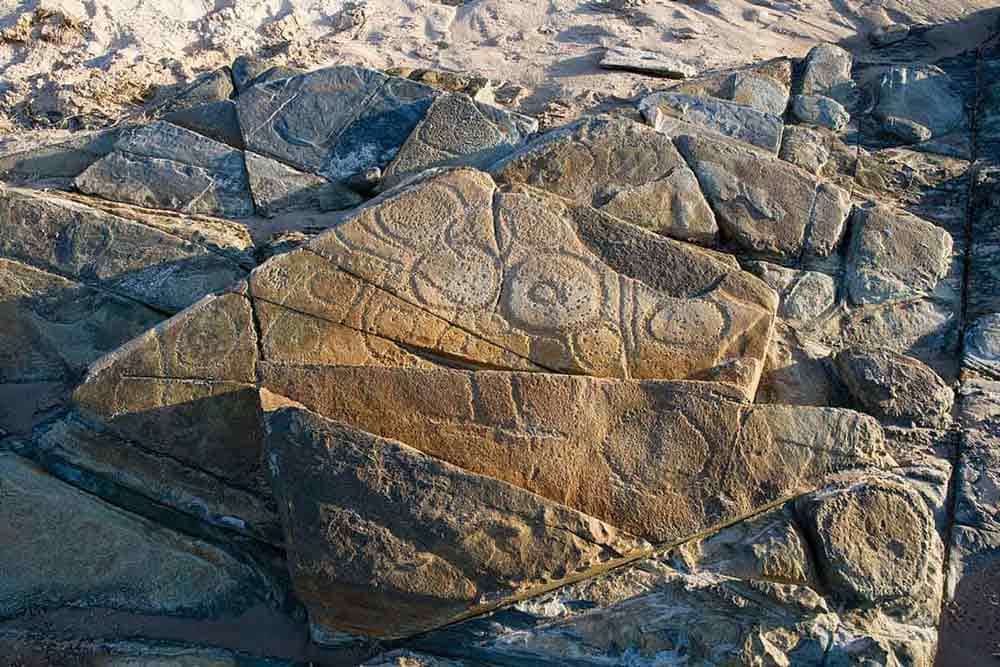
906 130
894 256
803 296
925 95
343 121
63 160
277 188
827 71
895 388
538 291
876 543
459 130
797 372
982 346
387 541
646 62
762 92
984 270
677 113
621 168
64 547
216 120
166 166
804 147
644 443
765 205
128 258
820 110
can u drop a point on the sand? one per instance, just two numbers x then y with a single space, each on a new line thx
72 64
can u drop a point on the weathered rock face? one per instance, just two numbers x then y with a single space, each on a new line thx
343 121
64 547
924 95
765 205
166 166
650 458
386 541
895 387
827 71
646 62
677 113
894 256
621 168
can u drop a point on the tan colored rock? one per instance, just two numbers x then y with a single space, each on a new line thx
389 542
511 267
652 458
622 168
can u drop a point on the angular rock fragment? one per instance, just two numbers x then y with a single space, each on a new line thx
765 205
63 160
216 120
134 260
646 62
458 130
166 166
906 130
334 122
764 93
797 372
820 110
804 295
647 457
63 547
277 188
389 542
827 71
621 168
677 113
895 388
894 256
804 147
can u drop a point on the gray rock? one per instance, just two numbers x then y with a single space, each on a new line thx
977 490
803 295
278 188
765 205
677 113
64 160
622 168
165 166
129 258
906 130
215 120
877 543
210 87
894 256
797 372
334 122
646 62
895 388
827 71
923 94
820 110
982 346
457 130
804 147
66 547
761 92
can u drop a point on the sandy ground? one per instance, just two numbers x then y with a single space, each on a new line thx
71 64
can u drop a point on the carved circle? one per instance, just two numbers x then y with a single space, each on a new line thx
686 322
554 293
447 280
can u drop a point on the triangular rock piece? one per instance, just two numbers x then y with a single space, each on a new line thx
167 166
336 122
662 460
389 542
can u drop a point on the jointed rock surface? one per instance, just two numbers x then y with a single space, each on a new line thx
312 366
